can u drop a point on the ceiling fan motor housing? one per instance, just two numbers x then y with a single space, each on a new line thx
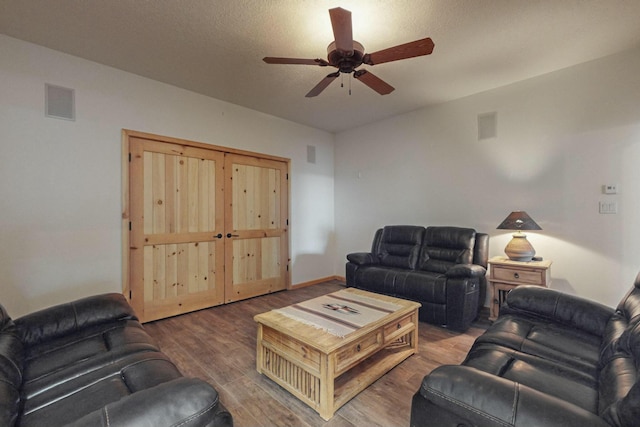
343 61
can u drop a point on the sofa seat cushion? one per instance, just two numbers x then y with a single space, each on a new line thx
90 390
422 286
55 359
558 380
551 341
182 402
377 279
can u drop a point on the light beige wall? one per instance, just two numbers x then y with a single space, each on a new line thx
561 136
60 181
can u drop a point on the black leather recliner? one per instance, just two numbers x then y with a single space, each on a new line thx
443 268
549 359
90 363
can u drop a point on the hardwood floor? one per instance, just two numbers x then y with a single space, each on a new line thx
219 346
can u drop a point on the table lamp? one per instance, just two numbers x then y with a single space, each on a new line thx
519 248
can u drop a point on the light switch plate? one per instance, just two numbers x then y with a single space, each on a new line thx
608 207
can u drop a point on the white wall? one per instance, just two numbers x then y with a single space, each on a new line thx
60 181
560 138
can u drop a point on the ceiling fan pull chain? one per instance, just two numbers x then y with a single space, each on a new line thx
349 87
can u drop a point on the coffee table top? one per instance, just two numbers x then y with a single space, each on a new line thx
328 342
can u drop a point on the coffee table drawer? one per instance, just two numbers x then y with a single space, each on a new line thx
291 348
395 330
352 354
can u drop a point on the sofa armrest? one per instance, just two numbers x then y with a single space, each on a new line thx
484 399
559 307
466 270
70 317
362 258
183 401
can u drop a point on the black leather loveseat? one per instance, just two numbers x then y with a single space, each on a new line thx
443 268
550 359
90 363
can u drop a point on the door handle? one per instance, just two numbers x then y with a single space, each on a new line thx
232 235
219 236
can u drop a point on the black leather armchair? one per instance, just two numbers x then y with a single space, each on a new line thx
90 363
443 268
550 359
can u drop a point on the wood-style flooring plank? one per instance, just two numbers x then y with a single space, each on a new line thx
219 345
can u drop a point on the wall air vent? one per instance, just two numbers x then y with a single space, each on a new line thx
59 102
311 154
487 125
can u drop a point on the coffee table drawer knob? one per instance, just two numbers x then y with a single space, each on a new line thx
358 347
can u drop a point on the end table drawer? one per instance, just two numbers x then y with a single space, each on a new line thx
517 276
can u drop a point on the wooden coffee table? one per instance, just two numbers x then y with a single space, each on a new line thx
325 371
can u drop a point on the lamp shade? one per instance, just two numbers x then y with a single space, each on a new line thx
519 248
518 220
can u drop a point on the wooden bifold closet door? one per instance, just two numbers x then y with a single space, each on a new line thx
256 240
204 227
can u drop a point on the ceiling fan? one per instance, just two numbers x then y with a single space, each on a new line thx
346 55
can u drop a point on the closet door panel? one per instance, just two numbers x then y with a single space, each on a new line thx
177 211
256 247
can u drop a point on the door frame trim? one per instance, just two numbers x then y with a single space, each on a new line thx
126 210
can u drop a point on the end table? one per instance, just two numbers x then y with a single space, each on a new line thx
505 275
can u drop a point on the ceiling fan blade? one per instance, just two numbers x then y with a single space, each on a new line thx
342 30
317 61
408 50
374 82
322 85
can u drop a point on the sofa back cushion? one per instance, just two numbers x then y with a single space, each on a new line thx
67 318
400 246
619 391
626 315
481 250
11 364
629 306
443 247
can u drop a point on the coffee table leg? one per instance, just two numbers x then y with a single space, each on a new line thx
259 352
327 370
414 333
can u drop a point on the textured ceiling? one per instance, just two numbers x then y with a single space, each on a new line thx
215 47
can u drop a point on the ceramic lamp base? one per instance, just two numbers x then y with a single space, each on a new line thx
519 248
